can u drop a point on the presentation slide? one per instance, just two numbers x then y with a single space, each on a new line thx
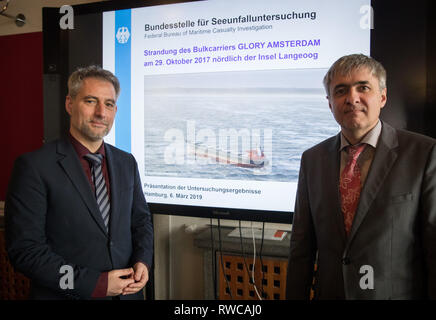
220 98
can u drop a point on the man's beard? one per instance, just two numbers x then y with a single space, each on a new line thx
92 135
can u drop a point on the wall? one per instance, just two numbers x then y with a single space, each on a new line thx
21 111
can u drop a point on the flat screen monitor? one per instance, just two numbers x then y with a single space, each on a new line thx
220 98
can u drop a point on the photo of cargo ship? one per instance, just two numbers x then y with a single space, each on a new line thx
254 158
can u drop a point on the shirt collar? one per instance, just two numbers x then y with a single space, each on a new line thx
370 138
82 150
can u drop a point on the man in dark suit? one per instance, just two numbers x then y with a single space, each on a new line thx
366 200
77 223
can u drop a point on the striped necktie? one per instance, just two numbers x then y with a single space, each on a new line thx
101 193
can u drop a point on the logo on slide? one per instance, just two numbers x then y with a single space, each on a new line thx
123 35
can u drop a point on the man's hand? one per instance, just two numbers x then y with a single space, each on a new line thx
118 280
139 278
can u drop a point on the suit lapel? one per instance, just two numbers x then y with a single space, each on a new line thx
70 163
115 183
331 169
384 158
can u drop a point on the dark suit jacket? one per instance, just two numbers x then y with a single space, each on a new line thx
52 219
394 228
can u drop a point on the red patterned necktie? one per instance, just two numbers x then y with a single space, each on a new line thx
349 185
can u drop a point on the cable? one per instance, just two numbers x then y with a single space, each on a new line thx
242 248
213 259
245 261
5 7
222 261
254 262
243 251
260 256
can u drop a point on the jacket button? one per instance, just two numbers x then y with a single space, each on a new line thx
345 261
111 244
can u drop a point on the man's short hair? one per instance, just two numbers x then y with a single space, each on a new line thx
345 65
76 78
